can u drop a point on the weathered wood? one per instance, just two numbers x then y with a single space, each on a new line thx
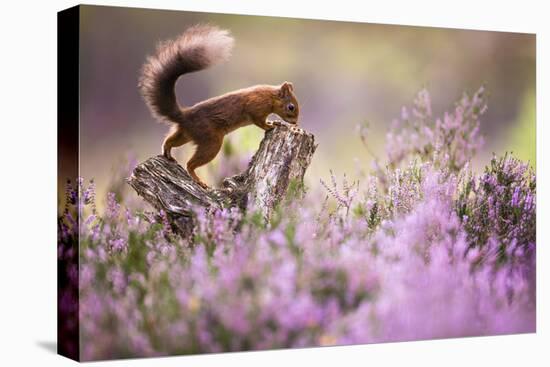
283 156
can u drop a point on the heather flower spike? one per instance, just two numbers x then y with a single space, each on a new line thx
422 248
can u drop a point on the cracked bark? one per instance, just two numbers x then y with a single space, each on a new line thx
281 160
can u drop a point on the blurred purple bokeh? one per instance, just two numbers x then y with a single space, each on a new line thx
344 74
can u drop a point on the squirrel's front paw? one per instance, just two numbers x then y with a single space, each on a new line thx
273 123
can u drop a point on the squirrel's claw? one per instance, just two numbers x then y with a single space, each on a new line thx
203 185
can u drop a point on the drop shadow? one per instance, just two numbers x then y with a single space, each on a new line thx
50 346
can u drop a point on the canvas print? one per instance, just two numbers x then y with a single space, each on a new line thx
237 183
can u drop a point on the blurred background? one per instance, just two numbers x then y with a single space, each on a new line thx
344 74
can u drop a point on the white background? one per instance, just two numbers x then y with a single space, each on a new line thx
28 182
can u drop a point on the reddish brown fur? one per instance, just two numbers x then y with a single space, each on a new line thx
206 123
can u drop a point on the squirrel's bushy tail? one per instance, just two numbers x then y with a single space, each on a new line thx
197 48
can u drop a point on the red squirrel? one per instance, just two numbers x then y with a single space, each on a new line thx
206 123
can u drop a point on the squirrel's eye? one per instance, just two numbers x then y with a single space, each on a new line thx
290 107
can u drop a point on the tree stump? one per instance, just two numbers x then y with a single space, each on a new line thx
282 158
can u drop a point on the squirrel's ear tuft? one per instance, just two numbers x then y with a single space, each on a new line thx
286 88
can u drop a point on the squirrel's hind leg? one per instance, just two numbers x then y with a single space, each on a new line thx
206 150
175 138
